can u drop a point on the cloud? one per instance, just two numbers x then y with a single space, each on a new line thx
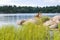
5 2
30 2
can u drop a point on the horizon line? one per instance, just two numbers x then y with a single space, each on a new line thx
29 6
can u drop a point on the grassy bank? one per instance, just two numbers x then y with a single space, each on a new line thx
26 32
29 31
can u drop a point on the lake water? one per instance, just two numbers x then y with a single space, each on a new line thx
13 18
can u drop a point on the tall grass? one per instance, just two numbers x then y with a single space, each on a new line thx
28 31
57 33
34 32
7 32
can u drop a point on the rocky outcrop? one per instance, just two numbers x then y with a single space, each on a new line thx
22 22
32 20
53 22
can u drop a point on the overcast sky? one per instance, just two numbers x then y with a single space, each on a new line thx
40 3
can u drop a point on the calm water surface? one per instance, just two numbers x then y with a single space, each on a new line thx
13 18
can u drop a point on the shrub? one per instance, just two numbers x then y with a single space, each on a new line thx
45 18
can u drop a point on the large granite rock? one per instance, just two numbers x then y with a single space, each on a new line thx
53 22
23 22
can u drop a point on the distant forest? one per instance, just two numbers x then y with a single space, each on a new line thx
25 9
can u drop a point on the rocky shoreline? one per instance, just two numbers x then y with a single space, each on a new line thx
51 22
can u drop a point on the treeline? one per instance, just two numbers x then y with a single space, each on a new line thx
25 9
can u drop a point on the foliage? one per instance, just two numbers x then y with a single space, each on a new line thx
7 32
59 26
57 33
45 18
25 32
25 9
29 31
34 32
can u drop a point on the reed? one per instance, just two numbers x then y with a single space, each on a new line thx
34 32
29 31
57 33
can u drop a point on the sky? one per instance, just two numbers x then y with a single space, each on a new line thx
34 3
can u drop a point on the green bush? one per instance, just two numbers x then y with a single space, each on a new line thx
45 18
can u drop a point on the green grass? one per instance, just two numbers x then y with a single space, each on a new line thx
57 33
7 32
28 31
34 32
45 18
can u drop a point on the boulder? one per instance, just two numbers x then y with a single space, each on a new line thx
32 20
53 22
